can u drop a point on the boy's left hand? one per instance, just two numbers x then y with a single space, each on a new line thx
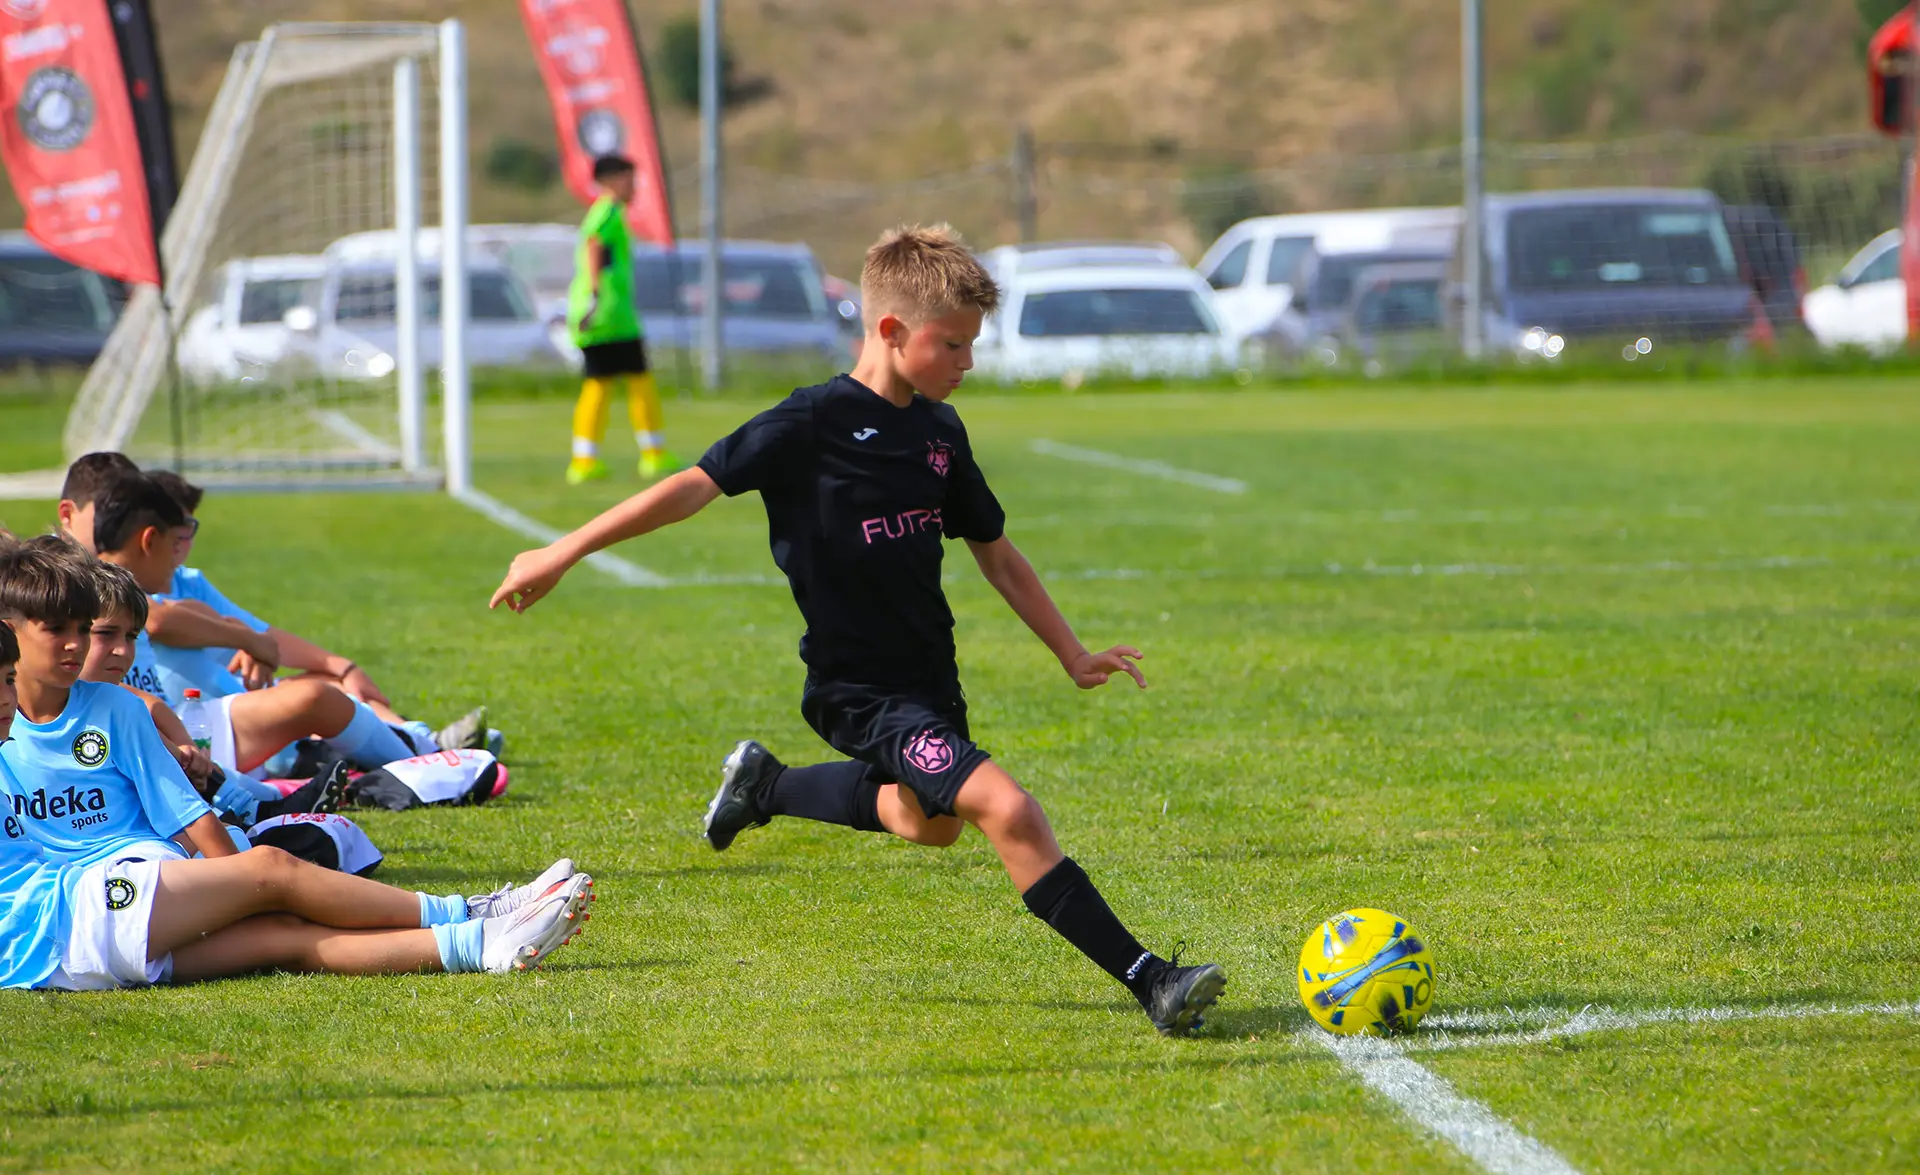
1093 669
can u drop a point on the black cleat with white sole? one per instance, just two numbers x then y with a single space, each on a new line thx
746 783
1180 996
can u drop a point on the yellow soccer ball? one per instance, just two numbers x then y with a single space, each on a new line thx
1366 971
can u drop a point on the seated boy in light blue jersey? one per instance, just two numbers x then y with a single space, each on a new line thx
94 780
135 526
221 672
117 654
126 921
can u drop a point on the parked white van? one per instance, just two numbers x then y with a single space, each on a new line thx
1252 266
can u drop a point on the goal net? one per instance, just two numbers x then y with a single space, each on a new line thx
254 368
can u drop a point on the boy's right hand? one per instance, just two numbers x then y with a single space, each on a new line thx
531 579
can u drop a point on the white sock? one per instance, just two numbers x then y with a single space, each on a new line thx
648 440
584 449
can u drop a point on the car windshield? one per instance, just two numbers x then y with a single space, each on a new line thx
780 288
491 297
1400 305
546 266
1283 262
1062 313
1601 246
267 299
46 293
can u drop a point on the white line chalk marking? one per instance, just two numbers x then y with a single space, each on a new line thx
343 426
1424 1096
631 574
1159 469
1462 1030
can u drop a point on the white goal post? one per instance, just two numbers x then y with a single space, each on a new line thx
317 134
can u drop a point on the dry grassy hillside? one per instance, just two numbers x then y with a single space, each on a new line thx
858 94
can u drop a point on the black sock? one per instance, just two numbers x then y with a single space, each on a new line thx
1066 900
832 793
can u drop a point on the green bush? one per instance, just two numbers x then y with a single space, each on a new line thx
519 164
1217 196
679 61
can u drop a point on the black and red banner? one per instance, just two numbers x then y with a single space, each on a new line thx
589 57
69 133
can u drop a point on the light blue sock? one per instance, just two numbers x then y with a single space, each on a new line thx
369 743
421 736
281 763
461 944
254 787
239 800
437 911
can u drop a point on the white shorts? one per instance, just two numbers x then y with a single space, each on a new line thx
107 947
225 749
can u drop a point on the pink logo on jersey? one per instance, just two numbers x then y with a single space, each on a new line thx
901 525
940 456
930 753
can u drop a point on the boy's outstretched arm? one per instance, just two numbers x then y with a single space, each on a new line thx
534 573
1013 577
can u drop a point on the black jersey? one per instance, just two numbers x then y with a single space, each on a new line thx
859 494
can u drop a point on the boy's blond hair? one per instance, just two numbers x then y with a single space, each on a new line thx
917 272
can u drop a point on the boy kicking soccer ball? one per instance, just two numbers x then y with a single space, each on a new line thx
862 477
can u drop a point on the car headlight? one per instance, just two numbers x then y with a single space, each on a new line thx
380 365
1538 340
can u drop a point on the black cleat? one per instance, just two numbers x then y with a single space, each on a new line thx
740 803
1180 996
324 793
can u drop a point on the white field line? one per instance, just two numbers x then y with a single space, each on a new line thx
1448 570
630 574
1428 1099
1159 469
1463 1030
1187 520
343 426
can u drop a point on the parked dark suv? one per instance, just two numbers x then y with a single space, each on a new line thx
1632 266
52 312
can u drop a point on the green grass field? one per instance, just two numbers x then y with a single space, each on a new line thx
1610 691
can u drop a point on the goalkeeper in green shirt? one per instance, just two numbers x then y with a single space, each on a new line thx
606 328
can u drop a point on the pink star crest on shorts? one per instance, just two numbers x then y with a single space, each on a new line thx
930 753
940 456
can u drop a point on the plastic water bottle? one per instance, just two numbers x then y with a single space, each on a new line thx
197 716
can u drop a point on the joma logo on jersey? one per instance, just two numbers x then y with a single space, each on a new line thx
61 804
90 748
901 525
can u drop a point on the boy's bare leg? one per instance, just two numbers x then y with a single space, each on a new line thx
1060 893
1012 821
901 813
200 897
302 707
286 943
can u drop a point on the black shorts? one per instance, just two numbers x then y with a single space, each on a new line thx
918 740
626 357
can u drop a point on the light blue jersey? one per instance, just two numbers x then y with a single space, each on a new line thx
35 911
144 673
202 669
96 779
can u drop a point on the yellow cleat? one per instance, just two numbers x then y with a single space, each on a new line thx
585 469
656 464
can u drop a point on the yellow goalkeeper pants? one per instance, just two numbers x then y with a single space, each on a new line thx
590 414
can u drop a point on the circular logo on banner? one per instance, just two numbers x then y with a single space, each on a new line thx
56 109
120 893
601 132
90 749
25 9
